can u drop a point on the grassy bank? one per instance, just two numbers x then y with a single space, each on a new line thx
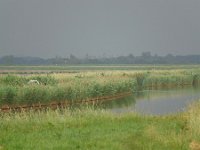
97 129
15 90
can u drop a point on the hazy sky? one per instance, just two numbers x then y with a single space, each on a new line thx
49 28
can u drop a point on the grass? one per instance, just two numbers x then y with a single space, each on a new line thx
194 121
15 90
98 129
66 68
91 128
77 90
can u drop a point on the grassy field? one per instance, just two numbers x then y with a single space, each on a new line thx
99 130
92 128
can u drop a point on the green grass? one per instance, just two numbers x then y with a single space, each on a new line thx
14 89
96 129
13 93
89 128
16 80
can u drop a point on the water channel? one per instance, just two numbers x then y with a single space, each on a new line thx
155 102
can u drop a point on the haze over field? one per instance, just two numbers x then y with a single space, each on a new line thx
49 28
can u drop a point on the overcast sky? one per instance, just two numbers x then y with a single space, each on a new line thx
49 28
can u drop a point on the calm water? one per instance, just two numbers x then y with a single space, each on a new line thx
155 102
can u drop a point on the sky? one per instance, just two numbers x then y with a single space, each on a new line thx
50 28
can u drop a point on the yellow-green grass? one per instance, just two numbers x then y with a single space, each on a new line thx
14 89
71 89
87 128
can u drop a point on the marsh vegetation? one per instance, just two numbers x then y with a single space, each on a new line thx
81 86
90 127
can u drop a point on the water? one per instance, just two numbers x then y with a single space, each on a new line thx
155 102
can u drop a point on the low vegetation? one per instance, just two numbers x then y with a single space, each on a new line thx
15 90
87 128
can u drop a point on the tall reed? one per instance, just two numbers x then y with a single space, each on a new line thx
15 89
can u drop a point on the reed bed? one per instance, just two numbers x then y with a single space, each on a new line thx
68 90
15 90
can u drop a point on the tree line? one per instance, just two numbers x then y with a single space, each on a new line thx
145 58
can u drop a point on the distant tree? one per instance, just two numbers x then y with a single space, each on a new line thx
72 57
169 56
146 54
145 58
74 60
131 56
8 60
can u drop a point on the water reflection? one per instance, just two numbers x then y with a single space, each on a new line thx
155 102
119 103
